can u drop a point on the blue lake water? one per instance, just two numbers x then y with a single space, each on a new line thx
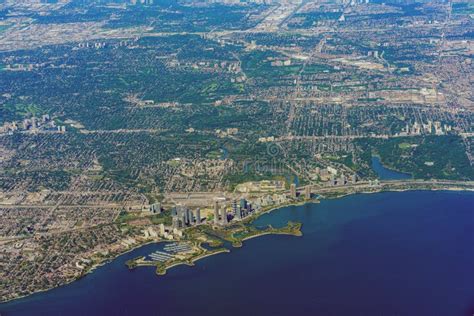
404 253
384 173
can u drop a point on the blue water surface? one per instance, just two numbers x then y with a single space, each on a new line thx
384 173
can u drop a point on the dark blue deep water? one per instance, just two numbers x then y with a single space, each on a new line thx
406 253
384 173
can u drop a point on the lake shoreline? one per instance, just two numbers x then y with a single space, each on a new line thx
455 187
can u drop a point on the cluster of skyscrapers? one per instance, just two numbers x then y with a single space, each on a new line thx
294 193
240 210
33 124
343 180
182 216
